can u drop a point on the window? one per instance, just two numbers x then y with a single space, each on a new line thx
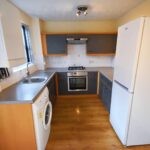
27 42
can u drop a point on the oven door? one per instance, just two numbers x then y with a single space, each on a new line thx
77 83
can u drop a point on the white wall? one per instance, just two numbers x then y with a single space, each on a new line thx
11 22
143 9
37 45
12 17
77 55
15 77
79 26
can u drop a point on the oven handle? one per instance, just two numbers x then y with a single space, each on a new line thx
77 76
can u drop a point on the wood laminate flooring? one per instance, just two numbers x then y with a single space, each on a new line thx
83 124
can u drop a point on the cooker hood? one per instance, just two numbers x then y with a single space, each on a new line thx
77 40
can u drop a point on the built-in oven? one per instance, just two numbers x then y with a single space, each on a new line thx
77 81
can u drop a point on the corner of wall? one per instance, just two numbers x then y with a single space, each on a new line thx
143 9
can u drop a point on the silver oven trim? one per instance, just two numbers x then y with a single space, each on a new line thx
69 77
77 73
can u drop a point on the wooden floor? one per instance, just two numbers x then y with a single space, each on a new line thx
83 124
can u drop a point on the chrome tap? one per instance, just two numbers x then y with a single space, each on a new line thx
28 71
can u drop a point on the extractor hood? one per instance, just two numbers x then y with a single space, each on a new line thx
77 40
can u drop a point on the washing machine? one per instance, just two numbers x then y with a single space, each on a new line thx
42 115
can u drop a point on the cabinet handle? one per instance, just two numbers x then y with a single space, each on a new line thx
121 85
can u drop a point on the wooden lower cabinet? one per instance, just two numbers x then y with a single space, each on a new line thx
105 90
17 127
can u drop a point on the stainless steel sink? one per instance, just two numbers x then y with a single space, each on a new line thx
34 80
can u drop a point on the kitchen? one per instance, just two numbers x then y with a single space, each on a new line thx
69 76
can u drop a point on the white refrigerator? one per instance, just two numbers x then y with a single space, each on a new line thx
130 102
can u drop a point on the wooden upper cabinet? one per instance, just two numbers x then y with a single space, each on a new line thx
101 44
54 44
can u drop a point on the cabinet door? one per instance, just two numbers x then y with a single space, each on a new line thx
101 88
101 43
52 90
62 83
105 91
107 98
92 82
56 44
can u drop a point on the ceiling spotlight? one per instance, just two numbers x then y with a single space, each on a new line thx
85 13
81 10
78 13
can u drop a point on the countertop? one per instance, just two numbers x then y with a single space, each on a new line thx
106 71
21 93
25 93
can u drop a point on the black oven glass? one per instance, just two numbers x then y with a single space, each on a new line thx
77 83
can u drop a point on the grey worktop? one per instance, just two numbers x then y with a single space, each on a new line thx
25 93
106 71
21 93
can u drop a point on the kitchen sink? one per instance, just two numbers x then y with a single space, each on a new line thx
33 80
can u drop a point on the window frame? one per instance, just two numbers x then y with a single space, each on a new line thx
27 42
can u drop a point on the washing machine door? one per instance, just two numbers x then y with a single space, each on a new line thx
47 116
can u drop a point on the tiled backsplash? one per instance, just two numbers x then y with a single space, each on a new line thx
77 55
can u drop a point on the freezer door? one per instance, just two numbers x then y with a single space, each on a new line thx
128 47
120 111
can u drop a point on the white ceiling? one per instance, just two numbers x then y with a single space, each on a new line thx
66 9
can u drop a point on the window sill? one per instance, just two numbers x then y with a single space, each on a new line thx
21 67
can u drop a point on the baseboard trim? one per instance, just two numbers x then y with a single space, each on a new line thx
78 96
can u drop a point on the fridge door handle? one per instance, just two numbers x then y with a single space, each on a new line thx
121 85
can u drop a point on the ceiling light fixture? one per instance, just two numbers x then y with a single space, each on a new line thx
81 10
